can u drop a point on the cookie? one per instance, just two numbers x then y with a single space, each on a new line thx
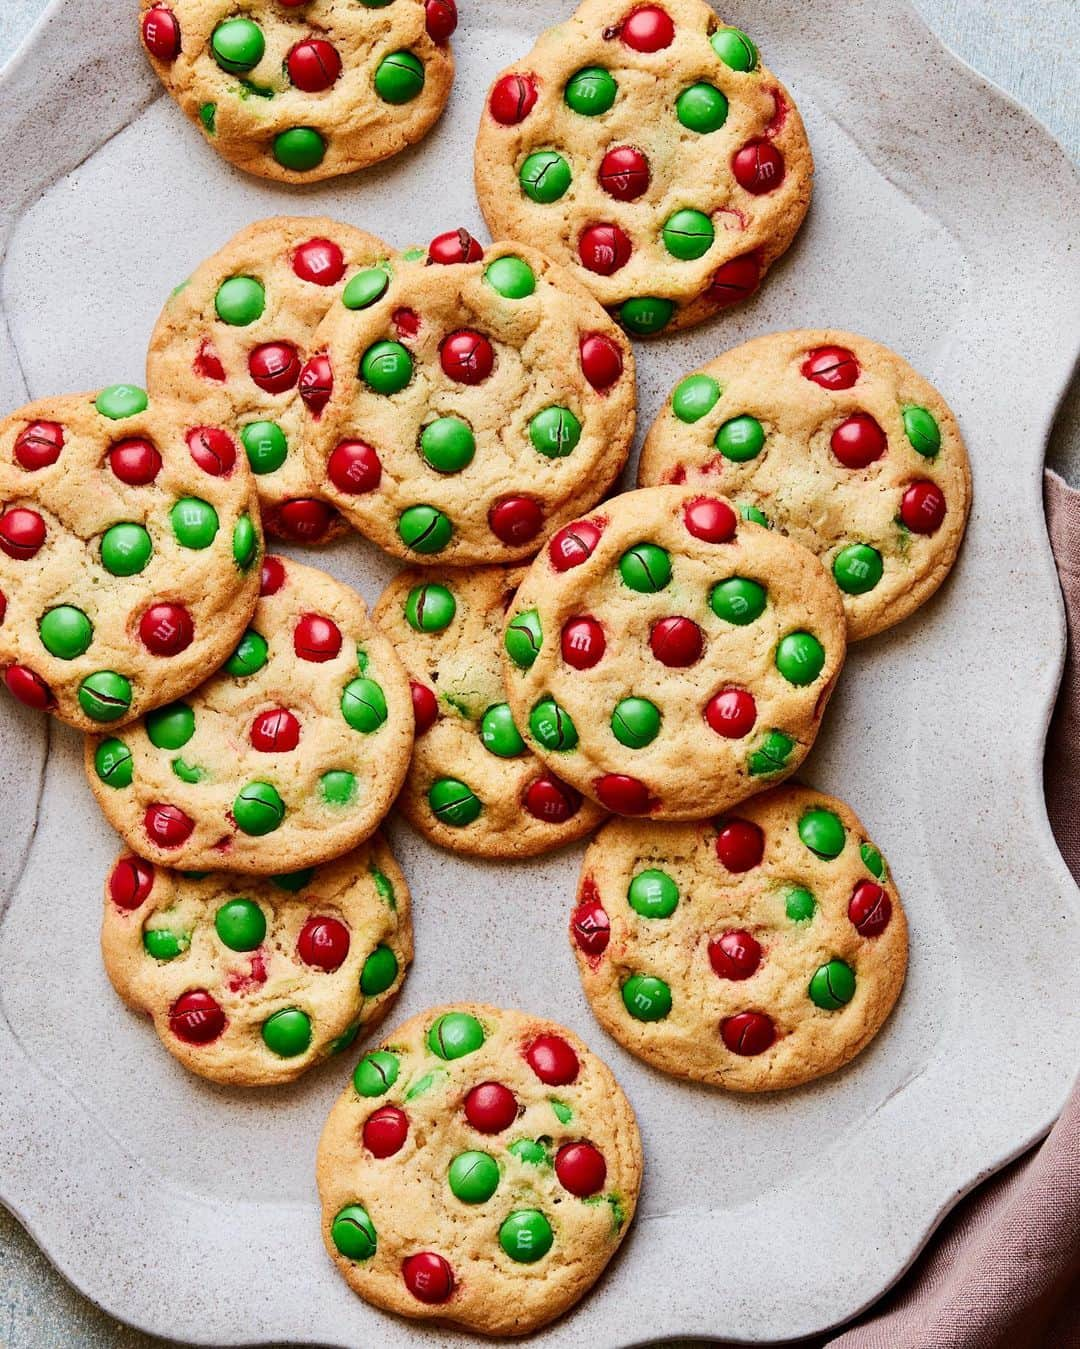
648 150
836 442
752 952
287 757
299 91
253 981
129 547
473 786
479 402
236 341
669 660
481 1170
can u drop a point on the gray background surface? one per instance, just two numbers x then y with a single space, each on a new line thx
1030 49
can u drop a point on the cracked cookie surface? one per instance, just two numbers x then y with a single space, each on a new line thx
129 547
838 443
648 150
481 1170
473 786
253 981
668 659
754 952
299 93
287 757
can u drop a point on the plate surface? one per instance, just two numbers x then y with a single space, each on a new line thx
940 228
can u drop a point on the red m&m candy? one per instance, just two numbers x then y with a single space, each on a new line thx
869 909
440 18
601 361
425 707
467 357
453 247
316 638
207 363
834 368
354 467
323 943
491 1107
406 322
512 99
731 713
196 1018
858 441
572 546
516 520
161 33
581 1169
22 532
428 1277
922 508
38 445
313 65
166 629
303 519
623 794
734 281
624 173
274 366
711 520
131 881
319 261
748 1033
213 450
385 1131
551 801
604 249
275 731
272 575
735 955
135 461
553 1060
317 383
648 29
166 825
29 688
740 845
677 642
758 167
591 927
583 643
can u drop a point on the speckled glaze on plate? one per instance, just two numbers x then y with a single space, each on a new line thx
935 734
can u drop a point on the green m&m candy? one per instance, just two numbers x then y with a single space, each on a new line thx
645 568
240 301
754 514
526 1235
498 733
164 944
646 998
511 277
240 924
208 117
923 432
800 905
237 45
251 654
454 803
399 78
194 522
702 108
455 1034
65 631
287 1033
448 444
338 787
265 446
379 972
741 439
171 726
734 48
258 809
300 149
591 91
646 315
473 1177
771 755
873 861
738 600
653 894
524 638
365 288
823 833
293 881
113 764
800 658
125 549
187 772
857 568
695 398
245 542
430 608
688 235
635 722
530 1151
386 367
545 176
562 1111
105 695
376 1073
353 1233
363 705
832 986
552 726
425 529
120 401
555 432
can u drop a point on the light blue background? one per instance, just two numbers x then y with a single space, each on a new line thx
1028 47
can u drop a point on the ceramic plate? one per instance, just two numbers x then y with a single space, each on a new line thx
940 227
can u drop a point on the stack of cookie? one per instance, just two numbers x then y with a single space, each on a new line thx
549 657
